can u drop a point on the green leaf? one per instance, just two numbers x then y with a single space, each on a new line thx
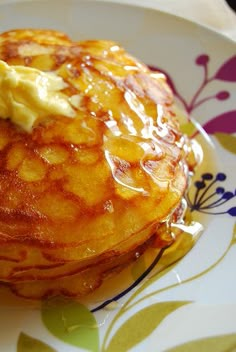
223 343
27 343
71 322
141 325
228 141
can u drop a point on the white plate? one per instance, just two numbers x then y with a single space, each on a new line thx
194 300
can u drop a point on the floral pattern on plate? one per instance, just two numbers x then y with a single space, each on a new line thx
76 324
174 298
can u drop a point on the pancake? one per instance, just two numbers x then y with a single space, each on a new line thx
79 197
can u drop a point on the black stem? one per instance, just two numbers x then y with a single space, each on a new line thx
215 205
134 284
208 212
205 191
206 199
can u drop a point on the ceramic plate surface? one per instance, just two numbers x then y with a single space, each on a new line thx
191 305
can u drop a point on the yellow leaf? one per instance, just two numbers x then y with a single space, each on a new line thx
227 141
29 344
234 235
188 128
223 343
141 325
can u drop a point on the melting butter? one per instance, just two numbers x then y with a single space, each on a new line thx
28 95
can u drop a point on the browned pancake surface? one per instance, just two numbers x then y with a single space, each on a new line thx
76 189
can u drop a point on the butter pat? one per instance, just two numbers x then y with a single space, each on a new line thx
28 95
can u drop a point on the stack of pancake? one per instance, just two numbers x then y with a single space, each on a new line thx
82 197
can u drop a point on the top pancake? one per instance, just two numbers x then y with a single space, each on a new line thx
92 182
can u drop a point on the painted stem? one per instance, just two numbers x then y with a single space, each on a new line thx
206 199
200 102
206 80
205 191
135 283
216 204
186 280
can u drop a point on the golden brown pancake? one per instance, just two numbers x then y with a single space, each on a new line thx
79 197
